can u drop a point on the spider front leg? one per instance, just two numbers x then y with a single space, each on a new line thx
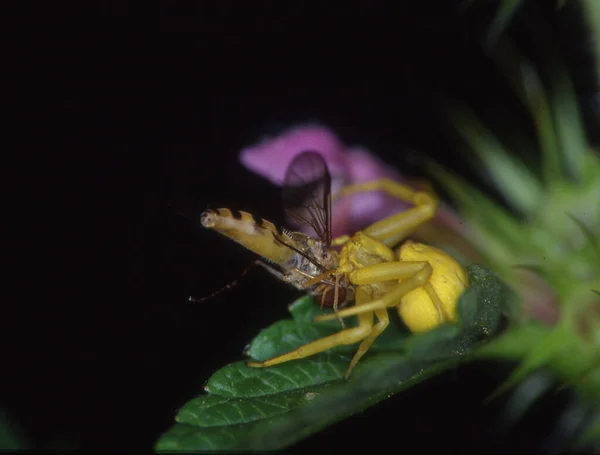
365 331
344 337
393 229
376 330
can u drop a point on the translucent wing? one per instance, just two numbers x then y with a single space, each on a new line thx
307 193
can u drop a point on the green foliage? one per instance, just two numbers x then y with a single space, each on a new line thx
591 10
11 437
506 10
270 408
551 224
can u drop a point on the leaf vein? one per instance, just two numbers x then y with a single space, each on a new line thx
287 408
262 413
281 375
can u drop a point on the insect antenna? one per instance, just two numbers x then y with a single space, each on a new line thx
227 287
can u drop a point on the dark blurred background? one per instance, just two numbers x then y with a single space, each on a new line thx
132 124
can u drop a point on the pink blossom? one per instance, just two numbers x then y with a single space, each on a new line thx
347 165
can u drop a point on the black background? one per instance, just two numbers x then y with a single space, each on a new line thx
130 124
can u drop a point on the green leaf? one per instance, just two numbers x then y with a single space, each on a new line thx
590 435
505 12
525 81
535 346
270 408
11 437
554 107
591 10
497 233
568 123
525 395
593 241
513 179
538 356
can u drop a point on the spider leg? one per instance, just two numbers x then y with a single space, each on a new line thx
376 330
344 337
393 229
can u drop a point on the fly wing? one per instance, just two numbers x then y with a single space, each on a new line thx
307 194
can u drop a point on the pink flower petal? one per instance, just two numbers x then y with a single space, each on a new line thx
271 157
365 167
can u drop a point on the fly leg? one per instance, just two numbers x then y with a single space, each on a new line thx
321 278
376 330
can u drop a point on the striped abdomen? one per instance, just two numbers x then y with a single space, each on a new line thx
259 238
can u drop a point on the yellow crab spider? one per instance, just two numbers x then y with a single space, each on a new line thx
421 282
